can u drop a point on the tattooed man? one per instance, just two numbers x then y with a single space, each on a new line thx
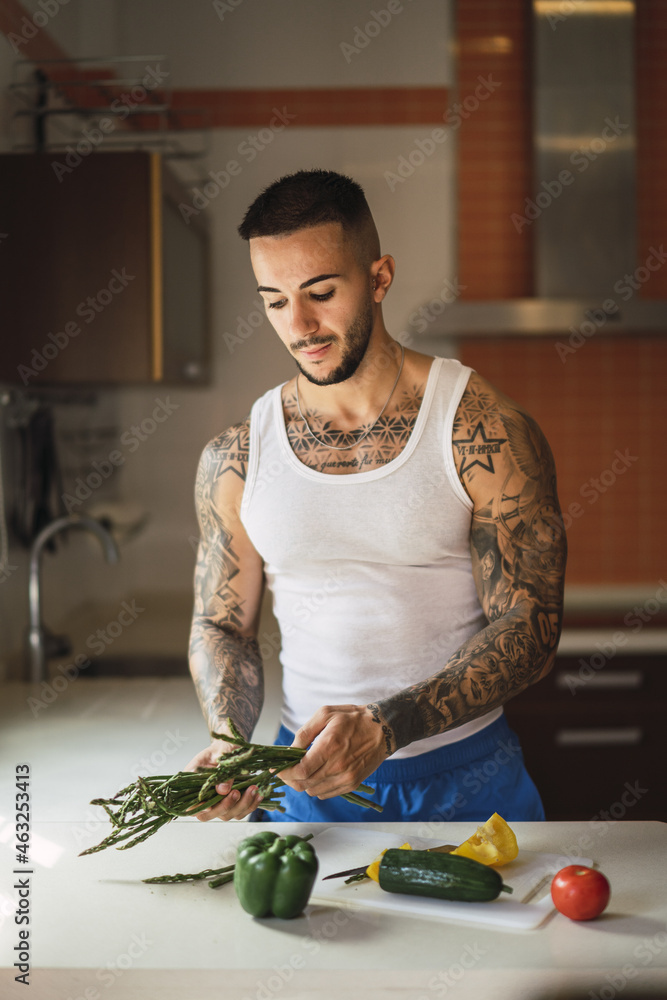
403 513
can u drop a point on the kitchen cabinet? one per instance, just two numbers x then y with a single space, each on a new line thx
592 734
103 276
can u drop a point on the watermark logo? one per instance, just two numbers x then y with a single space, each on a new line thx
93 135
222 7
249 148
363 36
31 24
88 310
97 642
625 288
131 440
454 117
581 159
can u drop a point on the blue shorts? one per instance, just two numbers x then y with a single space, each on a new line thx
465 781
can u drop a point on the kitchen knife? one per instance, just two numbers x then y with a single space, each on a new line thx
442 849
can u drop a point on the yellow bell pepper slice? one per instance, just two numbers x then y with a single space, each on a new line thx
373 870
494 843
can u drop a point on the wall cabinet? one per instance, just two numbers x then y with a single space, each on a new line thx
102 280
593 739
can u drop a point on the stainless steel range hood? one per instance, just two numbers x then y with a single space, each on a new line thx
582 213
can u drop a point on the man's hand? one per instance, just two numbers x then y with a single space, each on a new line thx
233 805
348 745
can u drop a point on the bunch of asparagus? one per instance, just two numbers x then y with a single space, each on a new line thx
139 810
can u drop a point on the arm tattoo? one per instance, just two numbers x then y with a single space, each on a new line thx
518 551
225 660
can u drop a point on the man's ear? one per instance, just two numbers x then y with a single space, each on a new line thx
382 275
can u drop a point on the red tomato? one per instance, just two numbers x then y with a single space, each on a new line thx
580 893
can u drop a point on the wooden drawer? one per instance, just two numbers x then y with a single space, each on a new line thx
596 748
594 680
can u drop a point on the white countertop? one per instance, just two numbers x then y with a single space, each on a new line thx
96 927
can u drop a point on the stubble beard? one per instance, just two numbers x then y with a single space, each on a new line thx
356 342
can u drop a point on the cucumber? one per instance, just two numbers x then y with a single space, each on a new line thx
443 876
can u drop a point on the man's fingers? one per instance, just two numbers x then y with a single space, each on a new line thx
234 805
311 729
304 770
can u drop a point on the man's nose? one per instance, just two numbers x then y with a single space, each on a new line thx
302 320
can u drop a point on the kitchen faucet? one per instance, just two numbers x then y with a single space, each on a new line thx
38 636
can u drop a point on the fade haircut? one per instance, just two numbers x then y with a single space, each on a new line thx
311 198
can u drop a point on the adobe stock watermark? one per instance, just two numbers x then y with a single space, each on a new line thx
363 36
32 23
93 135
453 118
6 570
597 486
248 150
131 440
309 604
138 945
97 642
245 327
565 9
421 319
634 622
96 820
646 952
625 288
603 821
310 945
581 160
222 7
473 781
88 310
447 979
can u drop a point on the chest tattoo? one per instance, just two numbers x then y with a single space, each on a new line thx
385 442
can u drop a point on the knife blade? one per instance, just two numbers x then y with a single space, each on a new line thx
442 848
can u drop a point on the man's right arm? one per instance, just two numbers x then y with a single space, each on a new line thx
225 661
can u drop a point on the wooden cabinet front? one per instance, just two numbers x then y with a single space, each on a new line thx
82 294
593 738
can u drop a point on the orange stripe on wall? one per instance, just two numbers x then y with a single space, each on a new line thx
313 107
218 108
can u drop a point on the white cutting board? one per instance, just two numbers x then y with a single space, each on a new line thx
525 909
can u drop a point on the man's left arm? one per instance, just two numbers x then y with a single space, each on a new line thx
518 551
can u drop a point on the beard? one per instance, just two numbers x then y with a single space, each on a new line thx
356 341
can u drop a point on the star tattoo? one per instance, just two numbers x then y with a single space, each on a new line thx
478 444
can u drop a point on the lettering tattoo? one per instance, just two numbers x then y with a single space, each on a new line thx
225 660
478 444
385 442
518 550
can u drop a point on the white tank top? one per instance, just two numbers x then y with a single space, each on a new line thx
370 572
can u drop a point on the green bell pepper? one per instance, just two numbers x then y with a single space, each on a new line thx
273 875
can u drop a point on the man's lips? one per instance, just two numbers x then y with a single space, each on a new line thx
315 352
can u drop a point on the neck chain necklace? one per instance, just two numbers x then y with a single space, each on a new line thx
345 447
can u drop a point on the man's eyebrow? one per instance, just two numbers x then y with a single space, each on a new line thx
306 284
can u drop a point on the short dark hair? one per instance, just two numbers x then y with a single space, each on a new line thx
311 198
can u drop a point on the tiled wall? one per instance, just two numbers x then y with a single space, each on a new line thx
609 396
494 175
606 399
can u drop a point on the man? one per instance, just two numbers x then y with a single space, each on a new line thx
404 514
